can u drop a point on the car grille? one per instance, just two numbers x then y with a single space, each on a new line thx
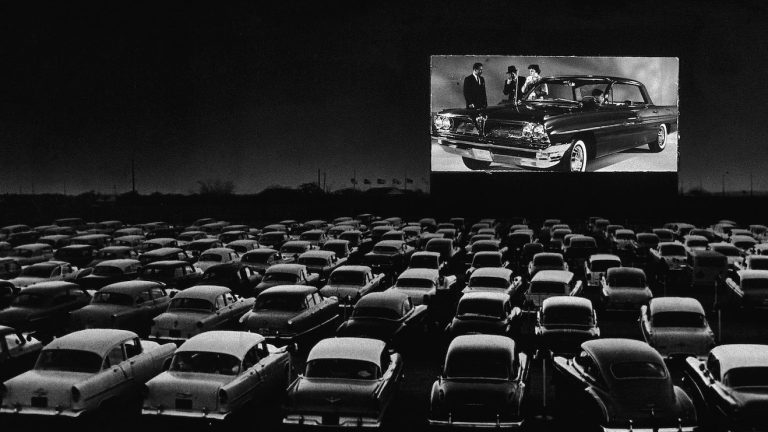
39 402
506 132
466 127
184 404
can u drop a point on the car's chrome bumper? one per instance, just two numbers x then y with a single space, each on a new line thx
647 429
541 159
203 415
477 424
315 420
47 412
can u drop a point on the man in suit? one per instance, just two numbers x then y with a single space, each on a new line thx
474 88
513 86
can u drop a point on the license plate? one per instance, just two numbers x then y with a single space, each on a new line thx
483 155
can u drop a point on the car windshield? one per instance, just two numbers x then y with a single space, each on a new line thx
755 376
105 270
648 240
287 278
488 282
758 264
113 298
627 280
711 261
678 319
375 312
567 315
582 243
481 364
342 369
347 278
386 250
727 250
548 287
744 244
604 265
258 258
220 275
415 283
158 272
43 271
638 370
205 362
563 91
754 284
210 257
287 303
481 261
68 360
31 300
480 307
672 250
191 303
313 262
697 243
553 261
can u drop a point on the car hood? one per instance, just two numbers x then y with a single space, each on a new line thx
321 395
476 391
526 111
17 317
201 388
55 385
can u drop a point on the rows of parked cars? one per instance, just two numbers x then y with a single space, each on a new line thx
206 320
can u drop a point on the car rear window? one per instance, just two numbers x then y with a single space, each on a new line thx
635 370
190 303
480 307
342 369
68 360
486 261
205 362
604 265
746 377
313 262
113 298
287 278
678 319
627 280
727 250
375 312
754 284
564 315
667 250
548 261
481 364
347 278
490 282
287 303
386 250
414 283
758 264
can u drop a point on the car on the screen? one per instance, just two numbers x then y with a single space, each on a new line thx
557 125
676 327
350 283
621 385
389 316
44 308
482 385
292 314
217 373
129 305
625 289
730 385
347 382
173 273
18 352
85 371
199 309
286 274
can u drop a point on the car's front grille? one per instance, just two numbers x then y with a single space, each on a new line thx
505 132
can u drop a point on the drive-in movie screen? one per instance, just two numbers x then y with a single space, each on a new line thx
563 114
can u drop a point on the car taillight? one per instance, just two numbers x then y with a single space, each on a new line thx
75 394
223 397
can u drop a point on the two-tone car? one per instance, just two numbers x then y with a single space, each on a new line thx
389 316
238 276
199 309
619 385
347 382
214 256
482 385
321 262
218 373
86 371
676 327
482 312
173 273
261 259
550 283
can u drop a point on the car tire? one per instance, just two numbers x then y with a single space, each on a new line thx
661 139
576 158
475 164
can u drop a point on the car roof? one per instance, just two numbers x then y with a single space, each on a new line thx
236 343
484 295
733 356
317 254
604 257
261 251
166 263
707 253
625 270
353 268
286 268
548 255
569 302
49 286
37 246
753 274
162 251
612 350
220 250
420 273
350 348
299 290
121 262
393 243
675 304
98 341
50 264
499 272
208 292
426 253
131 287
481 343
563 276
389 299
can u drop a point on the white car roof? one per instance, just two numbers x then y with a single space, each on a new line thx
98 341
350 348
236 343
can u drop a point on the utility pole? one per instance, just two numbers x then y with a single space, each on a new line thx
750 185
324 182
133 176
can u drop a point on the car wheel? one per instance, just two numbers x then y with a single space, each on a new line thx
661 139
475 164
577 158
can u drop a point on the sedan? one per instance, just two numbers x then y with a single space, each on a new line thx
676 327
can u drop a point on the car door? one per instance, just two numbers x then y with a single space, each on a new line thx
116 373
634 106
140 366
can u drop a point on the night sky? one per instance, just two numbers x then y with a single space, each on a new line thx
267 95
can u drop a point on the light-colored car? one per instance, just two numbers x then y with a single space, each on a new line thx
749 289
676 327
550 283
31 253
419 284
199 309
215 256
48 271
216 373
625 289
546 261
84 371
596 266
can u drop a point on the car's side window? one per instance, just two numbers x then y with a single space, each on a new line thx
309 301
13 343
132 348
229 298
263 350
143 297
220 302
714 366
627 93
318 298
115 356
251 359
157 293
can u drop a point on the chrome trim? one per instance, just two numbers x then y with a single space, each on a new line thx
478 425
582 130
51 411
442 141
155 412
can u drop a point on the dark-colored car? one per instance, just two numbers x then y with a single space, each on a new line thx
9 268
485 312
619 384
166 254
173 273
349 283
18 352
389 256
79 255
262 259
389 316
44 308
109 272
564 323
286 274
238 276
112 253
558 125
129 305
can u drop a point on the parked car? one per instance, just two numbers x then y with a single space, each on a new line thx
695 243
350 283
484 312
215 256
110 271
48 271
44 307
625 289
668 261
166 254
730 385
273 239
113 253
18 352
321 262
85 371
596 266
731 252
31 253
56 241
293 248
220 372
261 259
286 274
347 382
197 247
79 255
645 242
664 234
389 256
98 241
129 305
292 314
578 249
132 241
753 262
546 261
389 316
619 384
707 268
9 268
676 327
341 248
422 285
199 309
482 384
748 290
565 322
242 246
550 283
7 293
238 276
496 279
486 259
173 273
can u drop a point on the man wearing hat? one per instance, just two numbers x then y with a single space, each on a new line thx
513 86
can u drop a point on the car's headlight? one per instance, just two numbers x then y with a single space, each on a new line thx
528 130
442 122
540 134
